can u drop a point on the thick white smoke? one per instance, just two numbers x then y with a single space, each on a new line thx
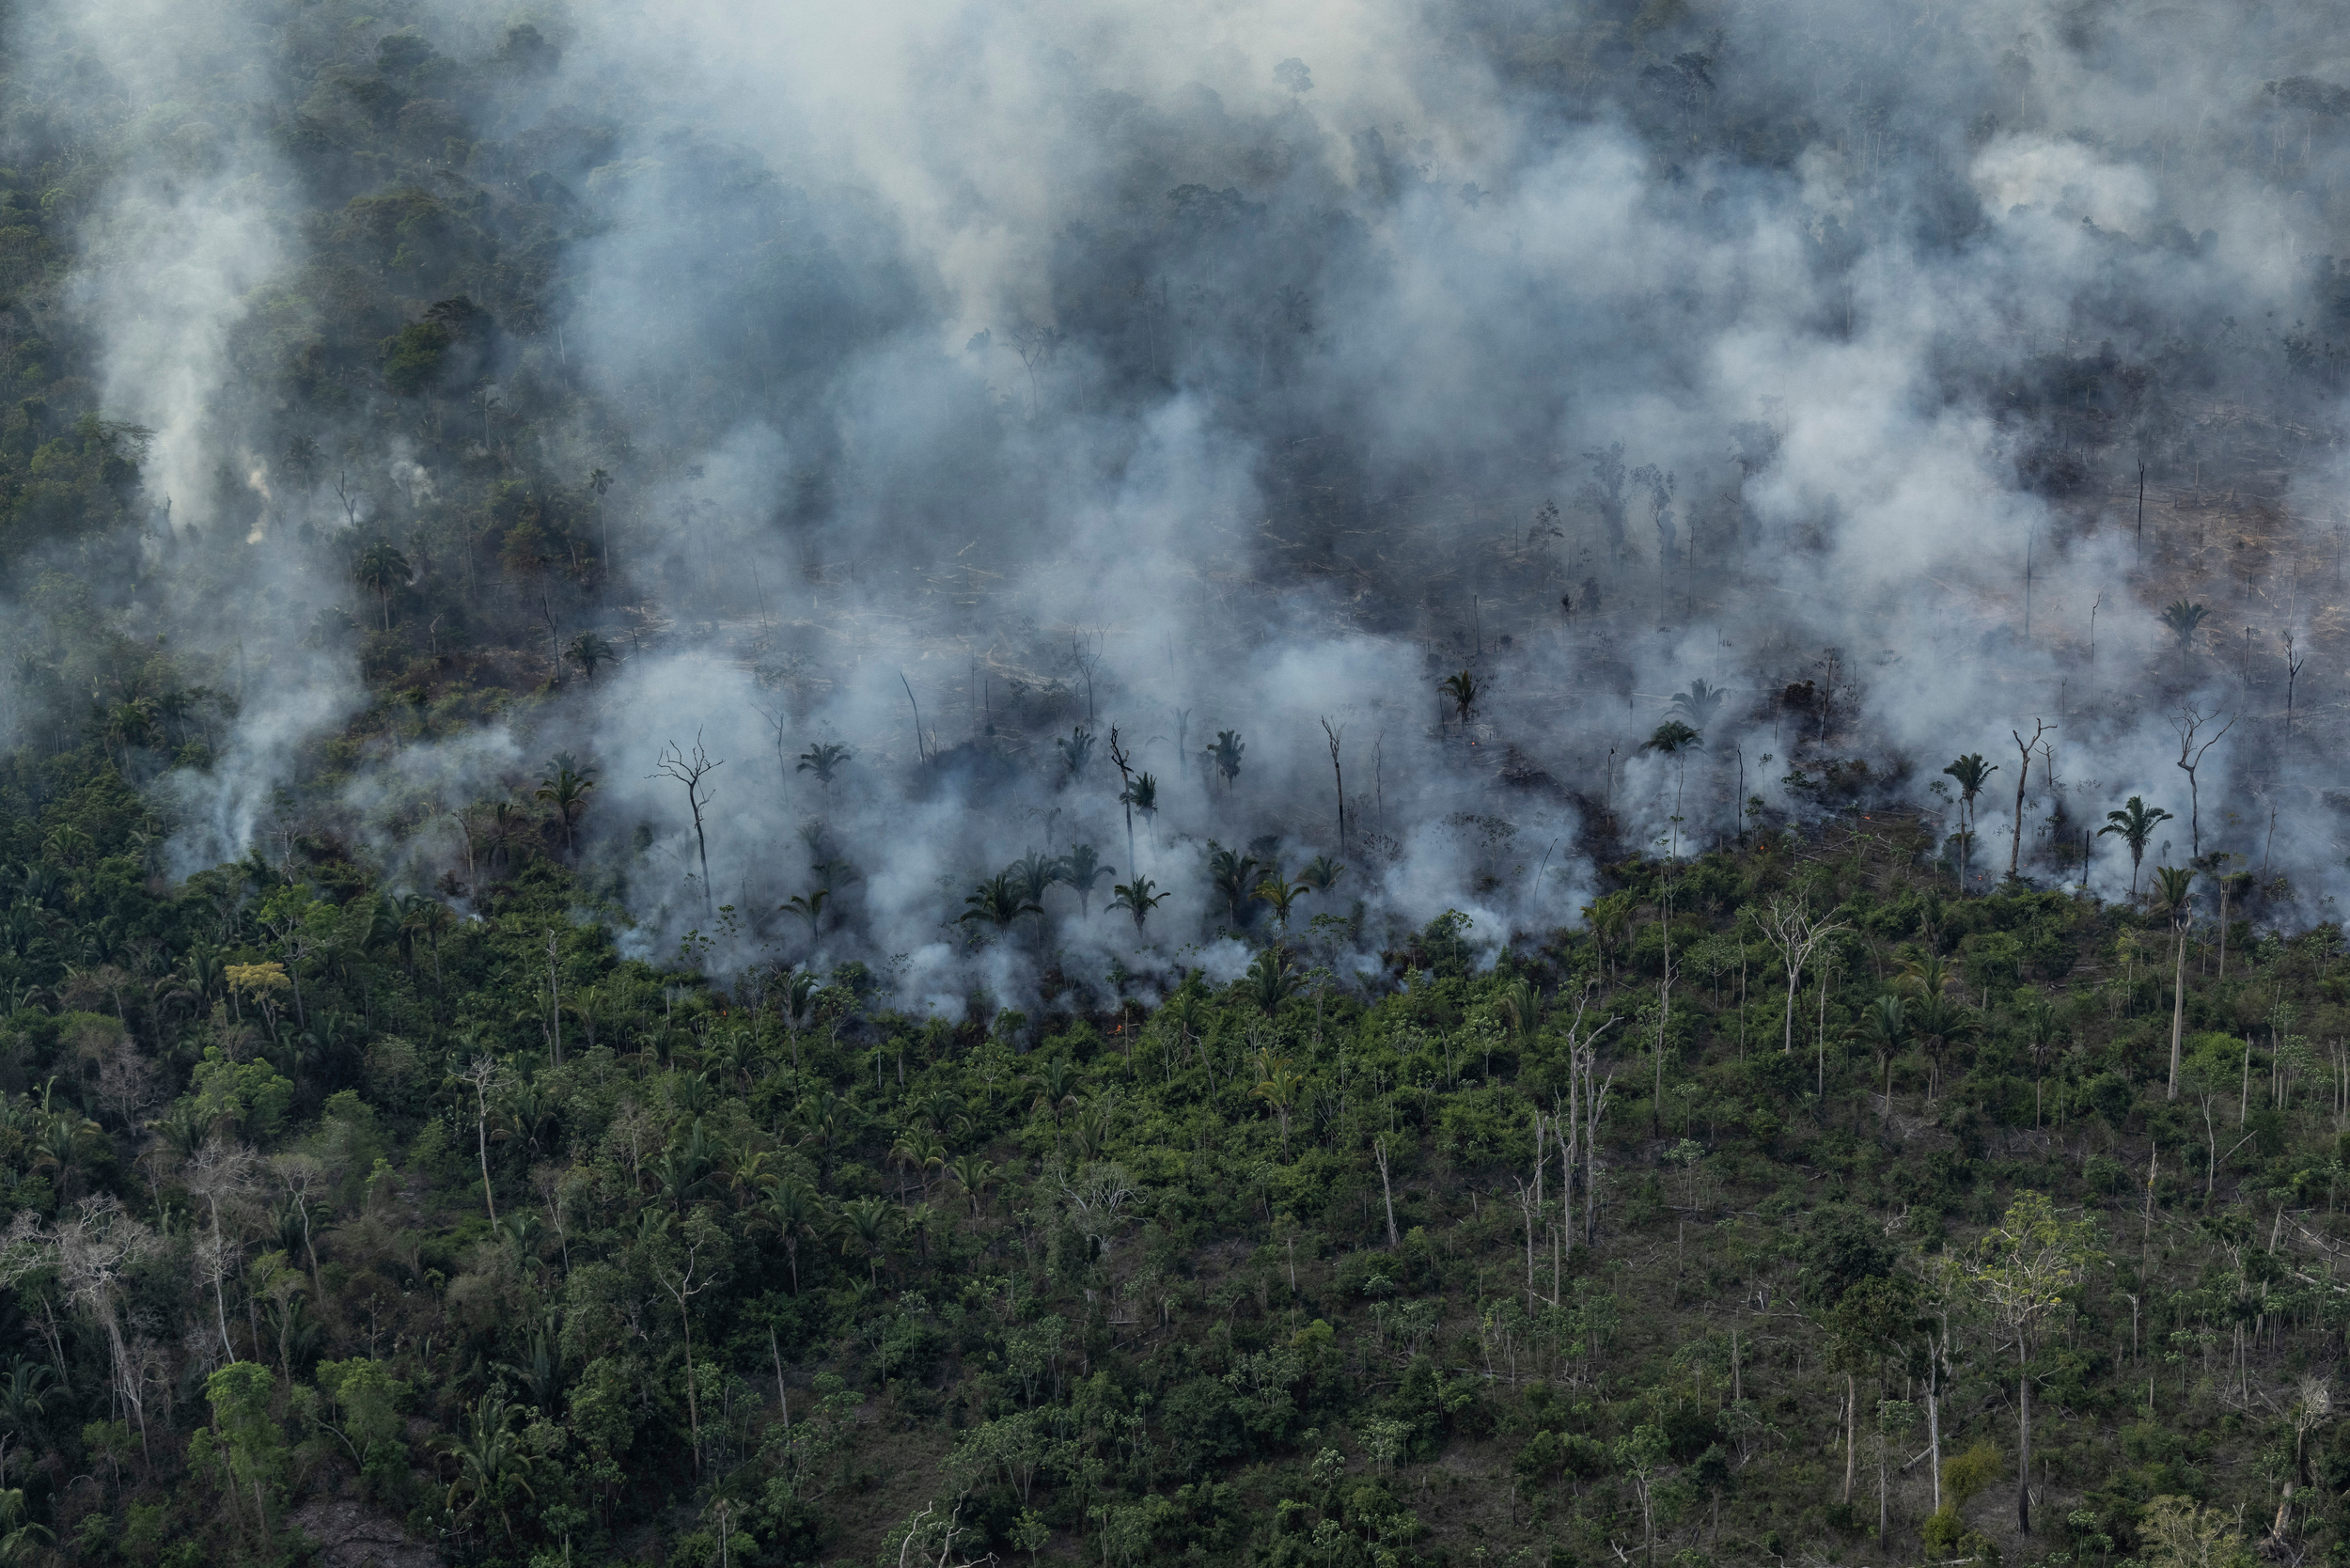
1075 365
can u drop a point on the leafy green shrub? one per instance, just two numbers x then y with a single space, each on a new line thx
1967 1476
413 357
1541 1461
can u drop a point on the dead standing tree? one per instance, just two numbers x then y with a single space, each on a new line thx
1386 1188
1337 735
688 1257
2188 723
93 1251
1595 1092
2295 664
2023 776
1085 659
218 1173
1036 344
484 1076
1791 929
1579 1117
1124 761
690 772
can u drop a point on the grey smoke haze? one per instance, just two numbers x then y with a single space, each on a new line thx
931 347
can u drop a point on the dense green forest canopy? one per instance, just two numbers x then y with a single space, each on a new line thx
1206 784
1640 1240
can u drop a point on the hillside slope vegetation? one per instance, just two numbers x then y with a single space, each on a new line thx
1623 1245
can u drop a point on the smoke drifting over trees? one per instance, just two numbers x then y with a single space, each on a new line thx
897 403
897 706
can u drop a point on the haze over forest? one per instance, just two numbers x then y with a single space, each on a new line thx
1034 377
1216 634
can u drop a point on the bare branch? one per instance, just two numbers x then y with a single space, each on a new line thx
690 772
2188 723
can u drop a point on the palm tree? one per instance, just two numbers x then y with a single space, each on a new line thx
1077 753
523 1234
796 1001
1321 874
1056 1087
1520 1009
539 1369
566 790
1278 1086
1927 974
1611 924
1699 704
827 1118
1464 691
809 907
588 650
920 1152
2172 886
1232 874
2038 1022
1272 981
974 1174
1675 738
2135 823
1143 796
22 1388
529 1113
999 901
379 570
1081 868
824 759
1187 1010
1939 1023
1885 1025
740 1056
689 1165
1034 875
494 1463
1137 897
1281 895
18 1537
941 1108
2182 619
865 1225
301 457
1970 772
129 724
1226 754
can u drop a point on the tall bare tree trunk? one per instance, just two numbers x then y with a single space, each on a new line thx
1852 1432
2178 1007
2022 776
1934 1415
1594 1105
482 1136
2023 1466
555 980
693 1411
1567 1149
1387 1192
